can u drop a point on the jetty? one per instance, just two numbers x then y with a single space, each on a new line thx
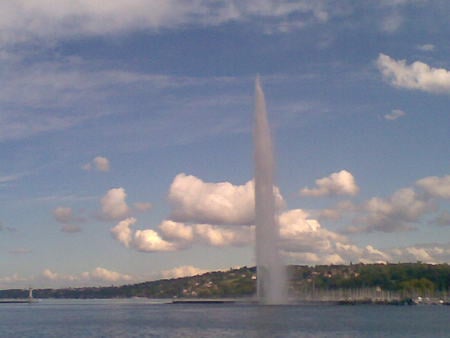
28 300
202 301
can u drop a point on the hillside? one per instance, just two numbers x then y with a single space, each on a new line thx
407 279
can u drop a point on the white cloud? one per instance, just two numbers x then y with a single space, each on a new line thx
114 205
63 214
418 75
306 241
176 231
12 281
399 212
150 241
193 200
302 237
340 183
122 231
99 163
98 275
299 233
394 115
425 253
51 275
147 240
182 271
223 236
104 275
436 186
179 236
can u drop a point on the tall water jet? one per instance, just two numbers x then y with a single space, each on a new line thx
271 272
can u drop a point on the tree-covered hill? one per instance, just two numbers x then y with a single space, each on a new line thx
407 278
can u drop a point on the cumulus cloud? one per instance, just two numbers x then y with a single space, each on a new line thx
223 236
340 183
306 241
399 212
417 75
122 231
114 205
176 231
142 240
182 271
11 281
431 253
300 233
65 216
98 275
436 186
105 275
302 237
99 163
150 241
193 200
394 114
342 253
179 236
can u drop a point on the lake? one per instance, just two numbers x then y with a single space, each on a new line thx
146 318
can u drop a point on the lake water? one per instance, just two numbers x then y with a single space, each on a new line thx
144 318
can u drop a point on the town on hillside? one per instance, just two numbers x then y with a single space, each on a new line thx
383 283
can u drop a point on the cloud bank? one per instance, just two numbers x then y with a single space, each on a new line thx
302 237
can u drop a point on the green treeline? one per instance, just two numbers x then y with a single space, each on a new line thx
418 278
389 277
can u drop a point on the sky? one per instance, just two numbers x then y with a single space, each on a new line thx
126 135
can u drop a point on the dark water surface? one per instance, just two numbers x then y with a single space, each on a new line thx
143 318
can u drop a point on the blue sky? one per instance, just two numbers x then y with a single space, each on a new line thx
126 135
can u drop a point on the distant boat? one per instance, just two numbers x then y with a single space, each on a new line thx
28 300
